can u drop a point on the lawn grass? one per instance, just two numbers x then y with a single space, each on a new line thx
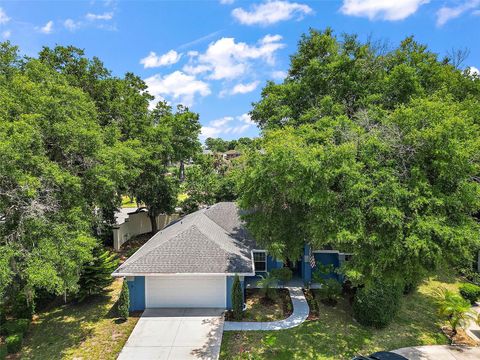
128 202
80 331
260 310
335 335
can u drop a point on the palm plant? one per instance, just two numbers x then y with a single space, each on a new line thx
456 309
267 286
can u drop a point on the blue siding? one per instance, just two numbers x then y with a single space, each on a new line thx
137 293
327 259
229 290
306 268
320 258
273 263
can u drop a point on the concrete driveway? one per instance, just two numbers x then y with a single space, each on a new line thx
175 334
440 352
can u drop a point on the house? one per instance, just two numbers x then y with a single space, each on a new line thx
231 154
193 261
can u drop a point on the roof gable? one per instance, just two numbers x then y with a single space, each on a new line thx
211 240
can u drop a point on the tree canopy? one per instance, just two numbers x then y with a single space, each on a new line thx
74 139
370 152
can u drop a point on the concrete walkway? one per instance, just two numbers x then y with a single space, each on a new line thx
172 334
299 315
473 329
440 352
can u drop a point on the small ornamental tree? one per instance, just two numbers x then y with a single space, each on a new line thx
97 274
237 299
124 302
455 309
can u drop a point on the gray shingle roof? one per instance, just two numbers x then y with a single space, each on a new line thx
211 240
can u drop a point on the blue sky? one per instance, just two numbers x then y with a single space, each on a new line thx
215 56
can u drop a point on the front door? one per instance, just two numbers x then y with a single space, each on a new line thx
295 266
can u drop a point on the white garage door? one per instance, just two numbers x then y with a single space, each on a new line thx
181 291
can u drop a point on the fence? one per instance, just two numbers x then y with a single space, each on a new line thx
137 224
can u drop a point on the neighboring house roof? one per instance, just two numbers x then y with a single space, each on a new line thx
208 241
232 152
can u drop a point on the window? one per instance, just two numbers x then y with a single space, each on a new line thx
260 260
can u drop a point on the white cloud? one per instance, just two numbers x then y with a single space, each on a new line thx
474 71
227 125
177 85
3 17
221 122
392 10
227 2
279 74
227 59
270 12
153 60
244 88
47 28
71 24
445 13
104 16
6 34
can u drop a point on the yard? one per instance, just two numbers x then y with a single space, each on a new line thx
261 309
79 331
335 335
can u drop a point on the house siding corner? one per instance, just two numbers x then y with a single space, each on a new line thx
136 287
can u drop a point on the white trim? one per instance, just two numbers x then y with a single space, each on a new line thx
325 251
182 274
266 261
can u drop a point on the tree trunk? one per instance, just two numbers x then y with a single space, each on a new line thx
153 221
182 171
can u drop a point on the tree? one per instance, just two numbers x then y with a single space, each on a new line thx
329 76
216 144
173 137
380 159
123 304
97 274
237 299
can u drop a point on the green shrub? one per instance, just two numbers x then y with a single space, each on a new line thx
470 292
330 292
23 308
14 343
377 304
3 351
123 304
267 286
237 299
19 326
283 274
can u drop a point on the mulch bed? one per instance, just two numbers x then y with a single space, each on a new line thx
461 338
283 296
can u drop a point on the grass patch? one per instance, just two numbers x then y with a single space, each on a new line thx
128 202
182 197
335 335
260 309
89 330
